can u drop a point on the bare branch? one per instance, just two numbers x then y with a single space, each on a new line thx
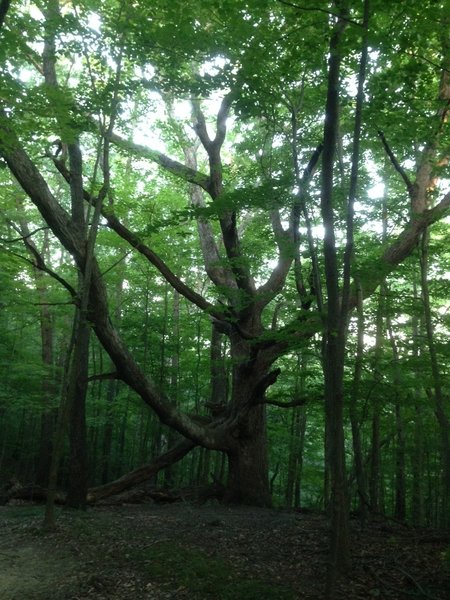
42 267
219 274
32 182
142 473
221 120
172 166
287 241
22 238
157 262
200 125
396 164
222 116
148 253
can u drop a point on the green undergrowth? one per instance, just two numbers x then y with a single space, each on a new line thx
203 576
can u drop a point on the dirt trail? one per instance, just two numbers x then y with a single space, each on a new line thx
29 572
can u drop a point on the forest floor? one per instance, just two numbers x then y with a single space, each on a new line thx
185 552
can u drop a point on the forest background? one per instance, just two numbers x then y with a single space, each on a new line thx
224 252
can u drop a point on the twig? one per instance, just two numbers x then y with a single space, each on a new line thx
393 588
417 584
40 264
23 237
122 258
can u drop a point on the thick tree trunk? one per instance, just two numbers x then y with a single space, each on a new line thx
248 468
248 479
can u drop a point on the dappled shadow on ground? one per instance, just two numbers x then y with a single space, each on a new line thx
181 551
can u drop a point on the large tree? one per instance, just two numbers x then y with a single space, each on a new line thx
263 64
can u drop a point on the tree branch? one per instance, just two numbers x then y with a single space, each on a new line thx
22 238
322 10
172 166
370 277
397 166
156 261
148 253
261 387
141 474
287 241
200 125
221 121
42 267
227 218
298 208
32 182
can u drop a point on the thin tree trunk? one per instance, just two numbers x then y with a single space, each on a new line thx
48 416
400 451
77 391
174 377
354 420
333 354
441 415
292 459
375 448
58 440
296 442
111 392
417 458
